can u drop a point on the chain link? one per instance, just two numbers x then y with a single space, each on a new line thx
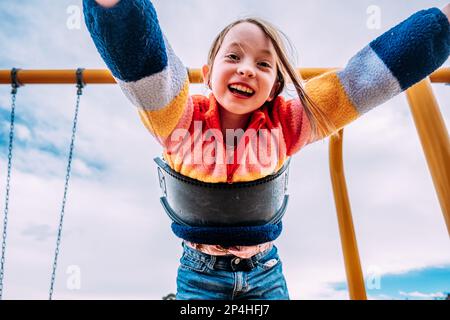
69 167
8 180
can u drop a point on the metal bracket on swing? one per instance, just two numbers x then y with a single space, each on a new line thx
14 80
80 81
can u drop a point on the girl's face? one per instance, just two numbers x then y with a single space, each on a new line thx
244 70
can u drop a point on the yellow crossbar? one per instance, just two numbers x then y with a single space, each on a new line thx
103 76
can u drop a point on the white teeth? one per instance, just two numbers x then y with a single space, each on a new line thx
241 88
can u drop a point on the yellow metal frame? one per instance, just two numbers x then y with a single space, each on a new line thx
102 76
428 120
355 279
434 139
435 142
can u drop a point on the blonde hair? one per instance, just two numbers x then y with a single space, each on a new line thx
320 124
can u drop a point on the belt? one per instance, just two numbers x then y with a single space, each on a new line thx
232 263
229 263
193 203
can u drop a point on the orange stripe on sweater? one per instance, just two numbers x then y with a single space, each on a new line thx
177 113
329 95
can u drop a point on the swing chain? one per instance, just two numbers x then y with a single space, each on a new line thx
14 85
80 86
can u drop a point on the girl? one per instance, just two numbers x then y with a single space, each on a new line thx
247 69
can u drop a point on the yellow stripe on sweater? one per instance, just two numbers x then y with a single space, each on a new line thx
162 122
329 95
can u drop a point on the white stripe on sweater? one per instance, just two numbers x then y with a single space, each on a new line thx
367 81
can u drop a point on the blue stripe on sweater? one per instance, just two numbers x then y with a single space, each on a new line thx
128 37
229 236
416 47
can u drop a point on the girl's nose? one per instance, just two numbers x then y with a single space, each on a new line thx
246 71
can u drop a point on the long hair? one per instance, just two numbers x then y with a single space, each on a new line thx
320 124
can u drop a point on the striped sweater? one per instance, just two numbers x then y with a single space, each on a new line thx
129 39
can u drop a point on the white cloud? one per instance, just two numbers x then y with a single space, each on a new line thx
421 295
22 132
81 168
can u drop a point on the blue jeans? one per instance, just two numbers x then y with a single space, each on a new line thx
203 276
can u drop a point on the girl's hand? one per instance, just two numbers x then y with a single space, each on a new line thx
107 3
446 11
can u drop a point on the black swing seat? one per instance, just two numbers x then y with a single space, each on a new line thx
191 202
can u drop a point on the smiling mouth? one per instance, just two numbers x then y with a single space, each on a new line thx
241 91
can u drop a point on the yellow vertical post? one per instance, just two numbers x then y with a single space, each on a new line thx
355 279
434 139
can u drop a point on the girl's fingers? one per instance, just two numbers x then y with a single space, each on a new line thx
107 3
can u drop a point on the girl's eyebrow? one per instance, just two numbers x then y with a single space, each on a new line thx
263 51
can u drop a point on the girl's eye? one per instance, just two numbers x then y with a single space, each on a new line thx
233 57
265 64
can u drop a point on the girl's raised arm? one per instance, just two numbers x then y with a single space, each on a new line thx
390 64
130 41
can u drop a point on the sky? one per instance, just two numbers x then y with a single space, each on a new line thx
117 242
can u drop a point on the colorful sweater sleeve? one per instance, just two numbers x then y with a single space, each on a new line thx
390 64
130 41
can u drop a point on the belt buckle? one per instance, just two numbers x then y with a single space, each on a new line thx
240 264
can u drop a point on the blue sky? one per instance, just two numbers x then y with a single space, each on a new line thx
428 283
115 231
